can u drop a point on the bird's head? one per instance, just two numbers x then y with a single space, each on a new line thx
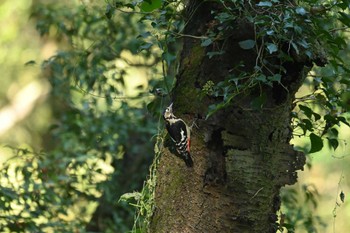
168 112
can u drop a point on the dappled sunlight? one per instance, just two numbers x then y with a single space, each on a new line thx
330 177
21 104
326 170
21 91
41 185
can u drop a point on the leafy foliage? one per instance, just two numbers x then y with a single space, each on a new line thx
94 143
310 32
94 134
100 132
298 209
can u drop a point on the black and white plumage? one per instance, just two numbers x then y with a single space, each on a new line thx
180 133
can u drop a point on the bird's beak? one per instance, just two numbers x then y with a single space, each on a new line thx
171 107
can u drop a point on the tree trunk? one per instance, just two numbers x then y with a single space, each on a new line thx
242 156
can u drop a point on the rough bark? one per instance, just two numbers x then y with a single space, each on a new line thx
242 157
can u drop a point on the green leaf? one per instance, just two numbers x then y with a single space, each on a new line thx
275 78
331 120
128 196
344 18
145 34
109 11
272 48
267 4
259 102
300 11
343 119
214 108
247 44
303 43
206 42
316 143
223 17
212 54
295 47
146 46
153 107
316 116
334 132
30 63
168 57
333 142
342 196
148 6
307 111
307 125
261 78
270 32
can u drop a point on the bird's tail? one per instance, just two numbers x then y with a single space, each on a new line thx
186 156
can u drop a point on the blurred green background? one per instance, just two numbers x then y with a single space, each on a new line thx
80 149
68 154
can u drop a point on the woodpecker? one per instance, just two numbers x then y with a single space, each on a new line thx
179 133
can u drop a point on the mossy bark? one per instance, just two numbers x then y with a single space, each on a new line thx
242 157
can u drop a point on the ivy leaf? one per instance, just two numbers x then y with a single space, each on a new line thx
342 196
316 143
214 108
303 43
144 34
343 119
153 107
295 47
168 57
146 46
333 142
275 78
247 44
307 125
272 48
334 132
206 42
267 4
316 116
30 63
300 11
109 11
270 32
259 102
151 5
223 17
344 18
261 78
127 196
212 54
307 111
